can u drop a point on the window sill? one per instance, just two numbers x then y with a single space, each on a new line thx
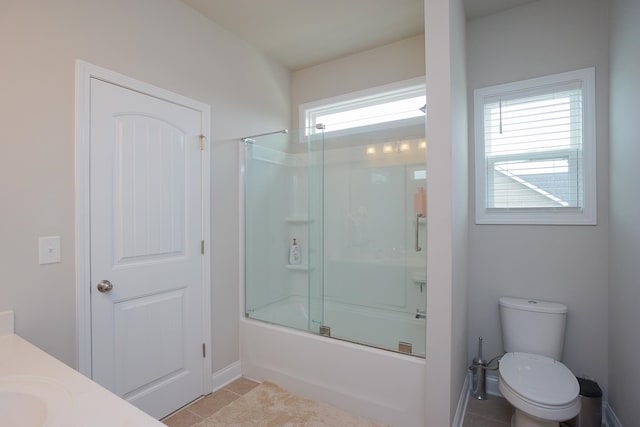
535 217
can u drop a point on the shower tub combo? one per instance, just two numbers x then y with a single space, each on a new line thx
343 322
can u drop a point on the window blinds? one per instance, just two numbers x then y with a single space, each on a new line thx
533 148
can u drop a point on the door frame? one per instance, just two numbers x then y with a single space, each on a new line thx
84 73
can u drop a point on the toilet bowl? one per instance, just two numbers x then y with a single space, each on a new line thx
542 390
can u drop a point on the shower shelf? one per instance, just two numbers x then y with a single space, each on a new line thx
298 267
298 219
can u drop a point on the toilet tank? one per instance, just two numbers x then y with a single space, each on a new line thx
533 326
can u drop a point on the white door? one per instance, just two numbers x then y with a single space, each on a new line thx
146 232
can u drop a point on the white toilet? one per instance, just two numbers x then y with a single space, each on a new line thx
542 390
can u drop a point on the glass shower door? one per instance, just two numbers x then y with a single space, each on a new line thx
354 206
375 240
272 285
281 171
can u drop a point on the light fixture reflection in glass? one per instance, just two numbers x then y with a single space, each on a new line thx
387 148
423 144
404 146
371 150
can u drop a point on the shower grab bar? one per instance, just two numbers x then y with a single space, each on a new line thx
250 139
418 248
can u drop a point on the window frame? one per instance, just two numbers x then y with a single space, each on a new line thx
308 112
560 215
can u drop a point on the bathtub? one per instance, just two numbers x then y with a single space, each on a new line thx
365 325
382 385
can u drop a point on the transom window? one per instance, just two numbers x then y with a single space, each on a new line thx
400 102
535 151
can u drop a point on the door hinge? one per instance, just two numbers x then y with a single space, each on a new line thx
202 137
204 350
202 247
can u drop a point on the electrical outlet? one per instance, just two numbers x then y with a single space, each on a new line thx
49 249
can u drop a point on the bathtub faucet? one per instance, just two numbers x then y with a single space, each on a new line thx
420 314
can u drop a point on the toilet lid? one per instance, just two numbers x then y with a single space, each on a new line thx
539 378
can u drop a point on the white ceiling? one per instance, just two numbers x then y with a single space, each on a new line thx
302 33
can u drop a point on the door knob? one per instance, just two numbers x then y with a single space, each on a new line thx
104 286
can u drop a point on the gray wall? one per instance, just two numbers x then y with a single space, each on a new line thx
624 228
459 207
447 209
382 65
162 42
568 264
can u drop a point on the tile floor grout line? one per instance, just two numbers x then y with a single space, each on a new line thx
241 383
233 392
194 413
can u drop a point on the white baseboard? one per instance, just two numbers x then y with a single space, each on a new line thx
461 410
226 375
610 417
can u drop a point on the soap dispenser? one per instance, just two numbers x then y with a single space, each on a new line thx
294 253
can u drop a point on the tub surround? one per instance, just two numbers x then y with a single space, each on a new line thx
64 397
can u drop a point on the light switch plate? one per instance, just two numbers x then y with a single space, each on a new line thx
49 249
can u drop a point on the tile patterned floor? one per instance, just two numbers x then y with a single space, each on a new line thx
493 412
207 405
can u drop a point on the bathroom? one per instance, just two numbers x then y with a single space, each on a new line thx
589 268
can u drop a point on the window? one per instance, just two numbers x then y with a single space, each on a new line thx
398 103
535 151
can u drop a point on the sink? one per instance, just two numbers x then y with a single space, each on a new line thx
30 401
21 409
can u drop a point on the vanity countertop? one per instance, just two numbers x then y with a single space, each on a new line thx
76 400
